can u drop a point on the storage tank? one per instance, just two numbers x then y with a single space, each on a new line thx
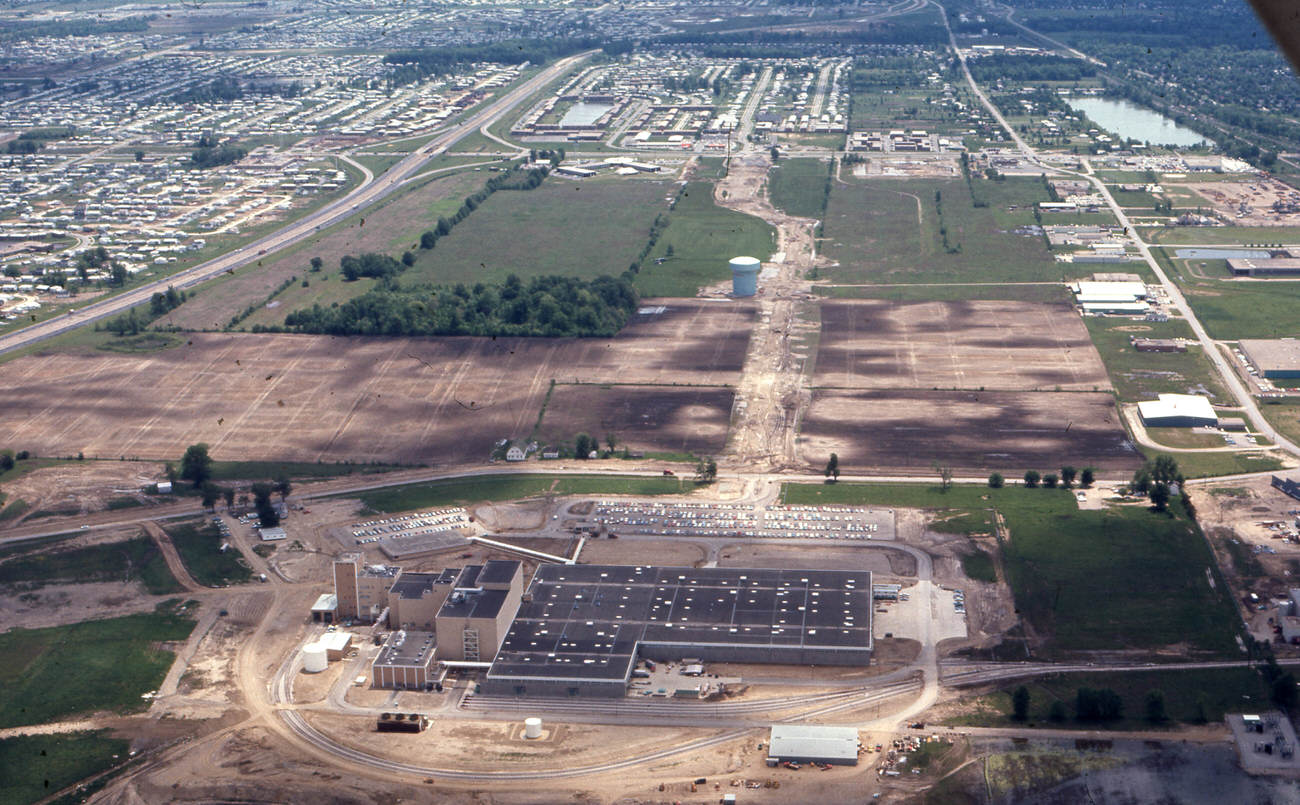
313 658
744 276
532 728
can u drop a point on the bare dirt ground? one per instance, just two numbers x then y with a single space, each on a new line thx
1257 196
873 343
80 487
647 418
309 398
673 553
968 430
59 604
770 397
818 557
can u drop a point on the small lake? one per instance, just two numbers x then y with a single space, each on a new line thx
1127 120
1219 254
584 114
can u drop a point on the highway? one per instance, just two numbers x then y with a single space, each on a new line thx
370 191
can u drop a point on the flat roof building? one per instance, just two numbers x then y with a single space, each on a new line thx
1264 266
1178 411
809 743
581 628
1273 357
405 662
472 621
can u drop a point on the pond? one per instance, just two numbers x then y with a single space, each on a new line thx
584 114
1127 120
1220 254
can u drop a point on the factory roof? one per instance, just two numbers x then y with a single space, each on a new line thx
412 585
327 602
498 571
407 649
812 742
1176 406
586 621
1088 291
473 604
1273 354
335 641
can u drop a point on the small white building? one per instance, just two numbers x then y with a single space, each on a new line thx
1178 411
515 453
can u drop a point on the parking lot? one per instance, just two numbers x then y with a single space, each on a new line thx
695 519
417 524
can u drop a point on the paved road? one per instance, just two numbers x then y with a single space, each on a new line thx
1239 392
370 191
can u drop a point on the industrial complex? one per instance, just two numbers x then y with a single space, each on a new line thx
580 630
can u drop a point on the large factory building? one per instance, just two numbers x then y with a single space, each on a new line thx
582 628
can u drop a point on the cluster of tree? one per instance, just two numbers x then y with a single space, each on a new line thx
410 66
196 468
1281 684
1021 69
904 30
206 157
1155 480
1051 480
162 303
706 471
975 200
544 306
554 155
23 146
1097 705
138 318
49 133
9 458
369 264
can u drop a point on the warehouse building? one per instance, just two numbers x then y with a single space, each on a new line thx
474 619
809 743
1178 411
1273 357
582 628
361 590
415 598
405 662
1284 266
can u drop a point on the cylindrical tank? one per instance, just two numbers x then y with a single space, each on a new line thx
532 728
313 658
744 276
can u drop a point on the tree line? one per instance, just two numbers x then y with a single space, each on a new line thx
548 306
410 66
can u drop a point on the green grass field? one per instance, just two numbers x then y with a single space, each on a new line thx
52 674
1283 416
1142 375
33 767
1225 235
704 237
798 186
513 487
1121 578
1189 695
1231 310
269 470
1210 464
199 544
578 229
889 232
135 559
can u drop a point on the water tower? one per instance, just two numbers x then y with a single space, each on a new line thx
744 276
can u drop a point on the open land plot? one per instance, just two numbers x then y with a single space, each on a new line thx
115 661
1222 235
313 398
391 228
1050 292
466 491
703 237
33 766
582 229
1142 375
1255 198
887 231
648 418
975 431
1084 580
976 345
799 186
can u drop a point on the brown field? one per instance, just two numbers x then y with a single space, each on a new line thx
675 420
307 398
969 431
1012 346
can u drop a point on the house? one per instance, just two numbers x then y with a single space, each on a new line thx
515 453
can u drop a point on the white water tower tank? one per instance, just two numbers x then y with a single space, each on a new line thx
744 276
313 658
532 728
